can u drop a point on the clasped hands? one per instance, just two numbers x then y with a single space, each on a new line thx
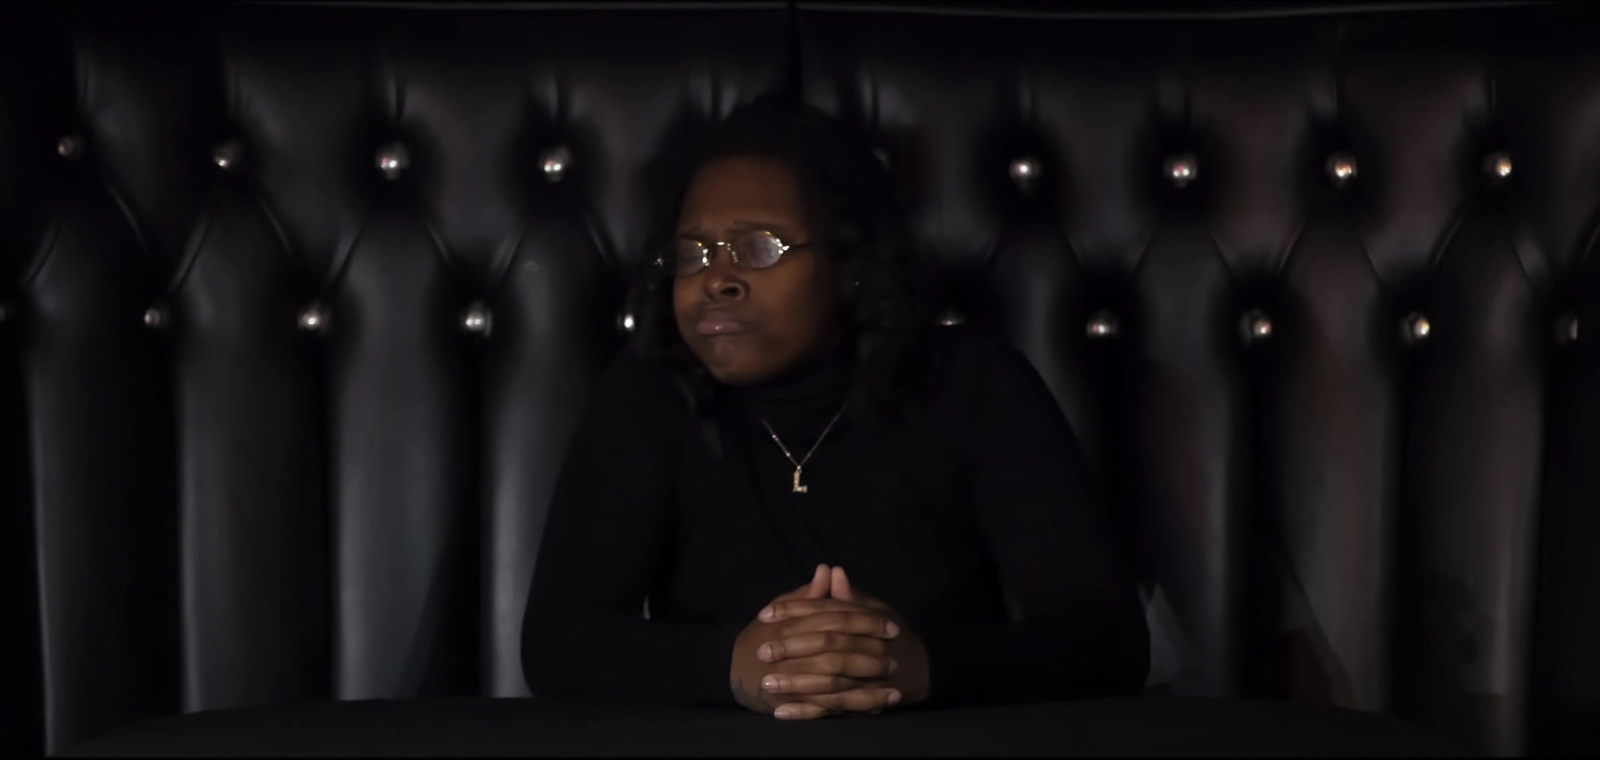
827 649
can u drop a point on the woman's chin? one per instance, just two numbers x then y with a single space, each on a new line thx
736 375
728 359
731 368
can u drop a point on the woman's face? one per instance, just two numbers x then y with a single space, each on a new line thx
747 325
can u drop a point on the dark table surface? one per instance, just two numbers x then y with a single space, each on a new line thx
1131 726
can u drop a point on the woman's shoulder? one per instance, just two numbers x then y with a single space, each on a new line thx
985 390
973 357
634 383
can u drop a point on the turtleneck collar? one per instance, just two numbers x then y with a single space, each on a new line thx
802 399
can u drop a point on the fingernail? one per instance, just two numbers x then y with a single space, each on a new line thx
782 713
765 653
894 630
770 683
894 697
767 613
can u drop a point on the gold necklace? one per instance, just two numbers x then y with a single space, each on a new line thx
798 466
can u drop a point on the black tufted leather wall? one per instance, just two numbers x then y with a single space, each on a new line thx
300 302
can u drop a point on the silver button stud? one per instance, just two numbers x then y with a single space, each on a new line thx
1341 168
227 155
626 323
1182 169
1102 325
1416 327
951 318
313 318
882 155
1497 165
1024 171
393 160
156 317
70 146
1566 329
477 319
1256 326
554 162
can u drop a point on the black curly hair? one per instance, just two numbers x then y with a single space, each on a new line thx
850 207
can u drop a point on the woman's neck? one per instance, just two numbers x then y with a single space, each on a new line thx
806 395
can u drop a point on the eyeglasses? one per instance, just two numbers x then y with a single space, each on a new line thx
751 249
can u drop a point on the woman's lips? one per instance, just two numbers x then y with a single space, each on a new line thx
718 325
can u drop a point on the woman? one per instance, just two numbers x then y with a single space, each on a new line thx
781 416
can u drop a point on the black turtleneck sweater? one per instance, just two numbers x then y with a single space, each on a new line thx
972 515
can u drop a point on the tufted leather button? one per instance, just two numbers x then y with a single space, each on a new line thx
477 319
950 318
626 323
156 317
313 318
1566 329
1256 326
1415 328
70 146
228 154
882 156
1024 171
554 162
1182 169
393 160
1102 325
1497 165
1341 168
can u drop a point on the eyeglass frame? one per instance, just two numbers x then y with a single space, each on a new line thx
708 251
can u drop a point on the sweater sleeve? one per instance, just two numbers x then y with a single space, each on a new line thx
1077 627
605 538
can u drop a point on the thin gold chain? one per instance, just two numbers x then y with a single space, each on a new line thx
785 449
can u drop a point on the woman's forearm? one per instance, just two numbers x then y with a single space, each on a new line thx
629 660
1104 653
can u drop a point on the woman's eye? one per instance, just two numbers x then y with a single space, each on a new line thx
690 255
762 248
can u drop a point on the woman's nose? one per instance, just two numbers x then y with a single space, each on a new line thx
726 288
723 282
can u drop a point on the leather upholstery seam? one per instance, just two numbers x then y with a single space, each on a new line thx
192 253
46 250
